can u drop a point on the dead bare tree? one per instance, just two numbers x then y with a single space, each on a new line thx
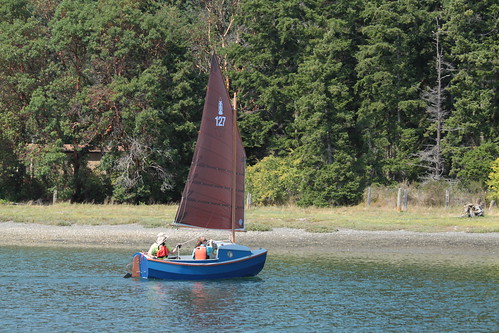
434 97
135 162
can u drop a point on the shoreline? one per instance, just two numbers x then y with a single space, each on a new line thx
278 241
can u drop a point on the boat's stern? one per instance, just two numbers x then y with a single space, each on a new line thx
139 266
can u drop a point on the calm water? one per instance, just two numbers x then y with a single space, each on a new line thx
82 291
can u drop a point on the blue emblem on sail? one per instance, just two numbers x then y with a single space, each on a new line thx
220 119
220 107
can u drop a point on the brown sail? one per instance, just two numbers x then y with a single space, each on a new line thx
207 197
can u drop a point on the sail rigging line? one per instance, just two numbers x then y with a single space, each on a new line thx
190 240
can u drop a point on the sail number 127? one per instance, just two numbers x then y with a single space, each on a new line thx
220 120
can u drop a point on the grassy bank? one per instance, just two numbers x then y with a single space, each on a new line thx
422 219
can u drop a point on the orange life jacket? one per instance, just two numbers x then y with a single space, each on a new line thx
200 253
162 251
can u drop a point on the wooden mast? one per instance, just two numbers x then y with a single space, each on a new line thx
234 167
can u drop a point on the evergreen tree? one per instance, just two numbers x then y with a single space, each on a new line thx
324 120
271 44
390 67
471 30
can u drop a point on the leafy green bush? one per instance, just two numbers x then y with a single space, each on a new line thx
493 181
282 180
273 180
475 164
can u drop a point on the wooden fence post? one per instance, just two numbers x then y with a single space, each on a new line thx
447 198
369 196
399 200
406 199
54 197
248 201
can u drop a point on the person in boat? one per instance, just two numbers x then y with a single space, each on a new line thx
159 248
203 249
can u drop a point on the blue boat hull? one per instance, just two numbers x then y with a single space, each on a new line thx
232 261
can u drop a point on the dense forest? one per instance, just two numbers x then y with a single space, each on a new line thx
332 96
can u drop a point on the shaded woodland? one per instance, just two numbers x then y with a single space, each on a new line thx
332 96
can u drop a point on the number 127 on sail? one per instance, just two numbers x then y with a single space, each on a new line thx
220 120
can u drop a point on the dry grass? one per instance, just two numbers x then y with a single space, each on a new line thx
421 219
67 214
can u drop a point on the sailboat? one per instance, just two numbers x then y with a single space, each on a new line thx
213 197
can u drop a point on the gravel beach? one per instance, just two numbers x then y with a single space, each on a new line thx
278 241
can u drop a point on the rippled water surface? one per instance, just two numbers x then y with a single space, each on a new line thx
84 290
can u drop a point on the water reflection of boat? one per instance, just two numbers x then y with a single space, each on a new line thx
201 304
213 197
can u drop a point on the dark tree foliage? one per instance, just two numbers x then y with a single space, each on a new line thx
331 96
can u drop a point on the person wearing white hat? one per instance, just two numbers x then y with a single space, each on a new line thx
159 248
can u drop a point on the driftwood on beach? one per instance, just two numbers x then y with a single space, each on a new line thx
472 210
